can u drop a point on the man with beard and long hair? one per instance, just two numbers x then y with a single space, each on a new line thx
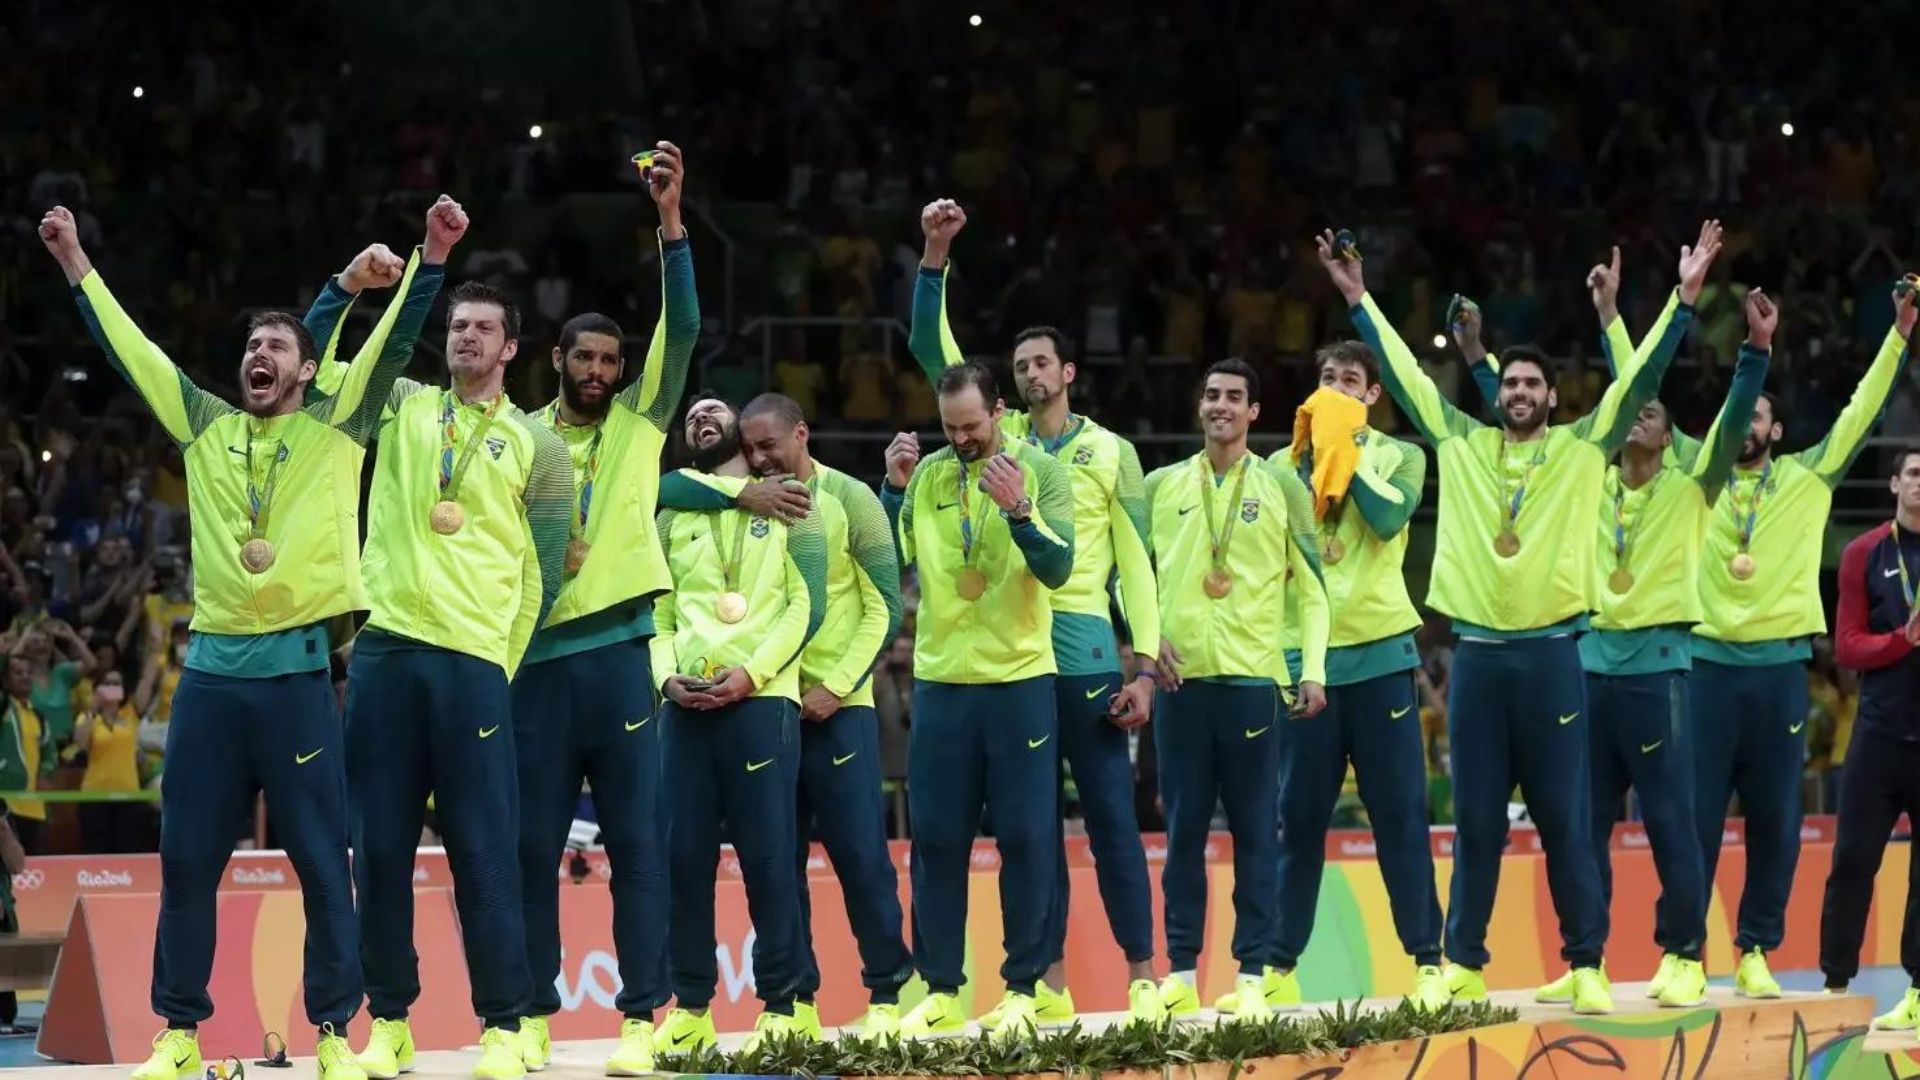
988 521
1098 704
465 554
1653 516
1760 594
274 489
749 592
1518 597
583 700
840 778
1233 542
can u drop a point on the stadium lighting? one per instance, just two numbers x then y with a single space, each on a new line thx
533 132
974 20
46 456
139 91
1787 130
1439 341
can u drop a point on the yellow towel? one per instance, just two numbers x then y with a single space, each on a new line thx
1330 422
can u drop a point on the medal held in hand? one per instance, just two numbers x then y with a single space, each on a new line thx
1219 580
448 516
257 553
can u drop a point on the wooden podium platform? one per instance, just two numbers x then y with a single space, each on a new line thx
1811 1036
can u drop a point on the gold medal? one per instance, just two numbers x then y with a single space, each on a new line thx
971 584
447 517
576 554
1740 566
1219 582
257 555
1335 551
731 608
1621 580
1507 544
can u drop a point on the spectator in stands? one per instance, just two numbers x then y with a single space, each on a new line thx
56 657
26 754
105 735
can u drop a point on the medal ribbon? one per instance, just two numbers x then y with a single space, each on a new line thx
1054 445
1510 513
260 500
1753 505
1620 527
967 525
1221 537
583 486
730 567
1907 585
451 471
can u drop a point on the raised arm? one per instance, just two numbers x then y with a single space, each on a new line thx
931 338
896 495
1639 381
663 378
1833 455
1434 416
876 572
1713 459
182 408
1387 503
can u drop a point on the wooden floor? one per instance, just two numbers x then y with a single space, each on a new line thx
1761 1023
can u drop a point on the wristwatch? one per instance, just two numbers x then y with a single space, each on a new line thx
1021 512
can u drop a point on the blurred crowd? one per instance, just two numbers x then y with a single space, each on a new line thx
1141 176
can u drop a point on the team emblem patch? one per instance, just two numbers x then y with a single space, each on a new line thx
1249 510
758 527
1083 456
496 447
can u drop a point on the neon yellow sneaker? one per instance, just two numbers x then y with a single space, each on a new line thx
682 1032
773 1027
1429 988
536 1043
1177 997
807 1014
389 1050
1592 995
1247 1001
1686 987
1052 1008
1016 1017
1662 976
1465 983
1281 989
1753 979
336 1057
634 1055
881 1022
1904 1017
500 1056
936 1015
1143 1003
176 1056
1557 992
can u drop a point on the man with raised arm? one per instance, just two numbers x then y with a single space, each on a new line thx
1646 600
274 490
840 776
749 594
1761 607
988 521
583 700
1097 703
1518 597
465 553
1233 544
1365 487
